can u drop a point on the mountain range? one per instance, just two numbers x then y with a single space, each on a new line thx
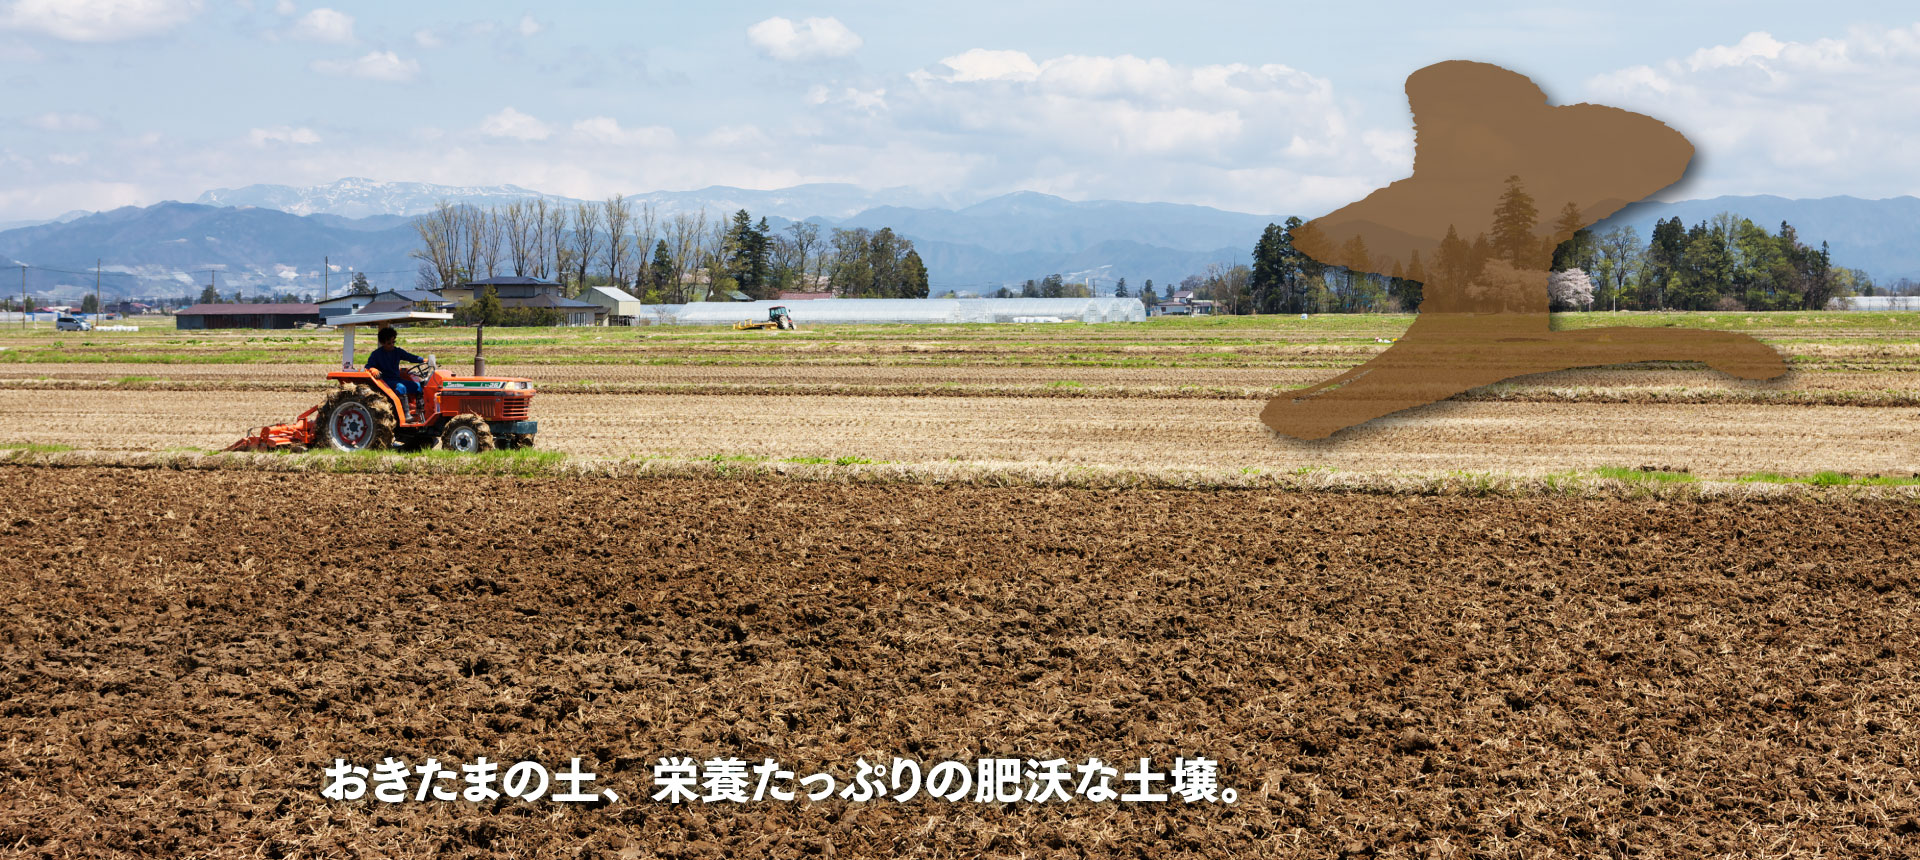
274 238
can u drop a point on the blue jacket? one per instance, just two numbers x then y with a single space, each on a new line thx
387 360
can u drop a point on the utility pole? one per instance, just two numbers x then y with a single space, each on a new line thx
326 285
96 291
23 295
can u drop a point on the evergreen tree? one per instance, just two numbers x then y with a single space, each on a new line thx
1272 280
747 245
1030 290
1513 223
1669 242
1413 289
1580 250
483 310
1455 264
209 296
1120 289
660 272
915 273
361 286
760 241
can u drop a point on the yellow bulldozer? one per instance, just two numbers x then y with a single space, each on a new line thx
777 318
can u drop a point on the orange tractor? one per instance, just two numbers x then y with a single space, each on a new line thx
460 413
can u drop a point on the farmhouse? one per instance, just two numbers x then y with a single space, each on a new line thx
421 300
504 286
520 291
1182 303
205 316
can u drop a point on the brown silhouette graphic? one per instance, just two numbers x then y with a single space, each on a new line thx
1487 146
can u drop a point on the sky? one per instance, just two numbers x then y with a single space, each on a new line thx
1265 107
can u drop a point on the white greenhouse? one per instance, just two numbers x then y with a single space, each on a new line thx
838 311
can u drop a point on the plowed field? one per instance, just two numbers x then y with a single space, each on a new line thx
1723 441
1395 677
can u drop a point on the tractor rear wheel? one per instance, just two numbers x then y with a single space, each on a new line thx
468 434
358 421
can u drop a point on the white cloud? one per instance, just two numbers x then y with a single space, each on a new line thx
1261 138
285 7
426 38
324 25
1128 104
811 39
528 26
1797 118
981 64
606 129
98 196
65 122
513 124
98 20
374 66
68 159
281 134
866 100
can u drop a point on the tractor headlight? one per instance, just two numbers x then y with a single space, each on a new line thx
523 385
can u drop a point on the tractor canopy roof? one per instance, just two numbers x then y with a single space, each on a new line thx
388 318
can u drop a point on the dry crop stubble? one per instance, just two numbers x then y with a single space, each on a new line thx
1713 440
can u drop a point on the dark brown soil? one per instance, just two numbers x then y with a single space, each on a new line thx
1378 676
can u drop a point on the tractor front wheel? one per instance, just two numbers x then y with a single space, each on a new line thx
467 434
358 421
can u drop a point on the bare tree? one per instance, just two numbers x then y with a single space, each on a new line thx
556 241
646 229
804 245
519 235
716 247
617 215
489 227
439 248
586 241
469 243
683 237
537 254
1620 258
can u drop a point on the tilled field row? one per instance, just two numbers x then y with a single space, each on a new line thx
1391 677
1712 441
1670 384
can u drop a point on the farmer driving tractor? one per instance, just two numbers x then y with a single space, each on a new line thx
386 359
457 412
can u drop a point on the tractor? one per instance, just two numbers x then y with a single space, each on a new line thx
469 414
777 318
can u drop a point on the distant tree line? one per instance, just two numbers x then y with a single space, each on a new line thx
660 259
1723 263
1053 286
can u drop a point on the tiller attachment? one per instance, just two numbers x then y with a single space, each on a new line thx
294 436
